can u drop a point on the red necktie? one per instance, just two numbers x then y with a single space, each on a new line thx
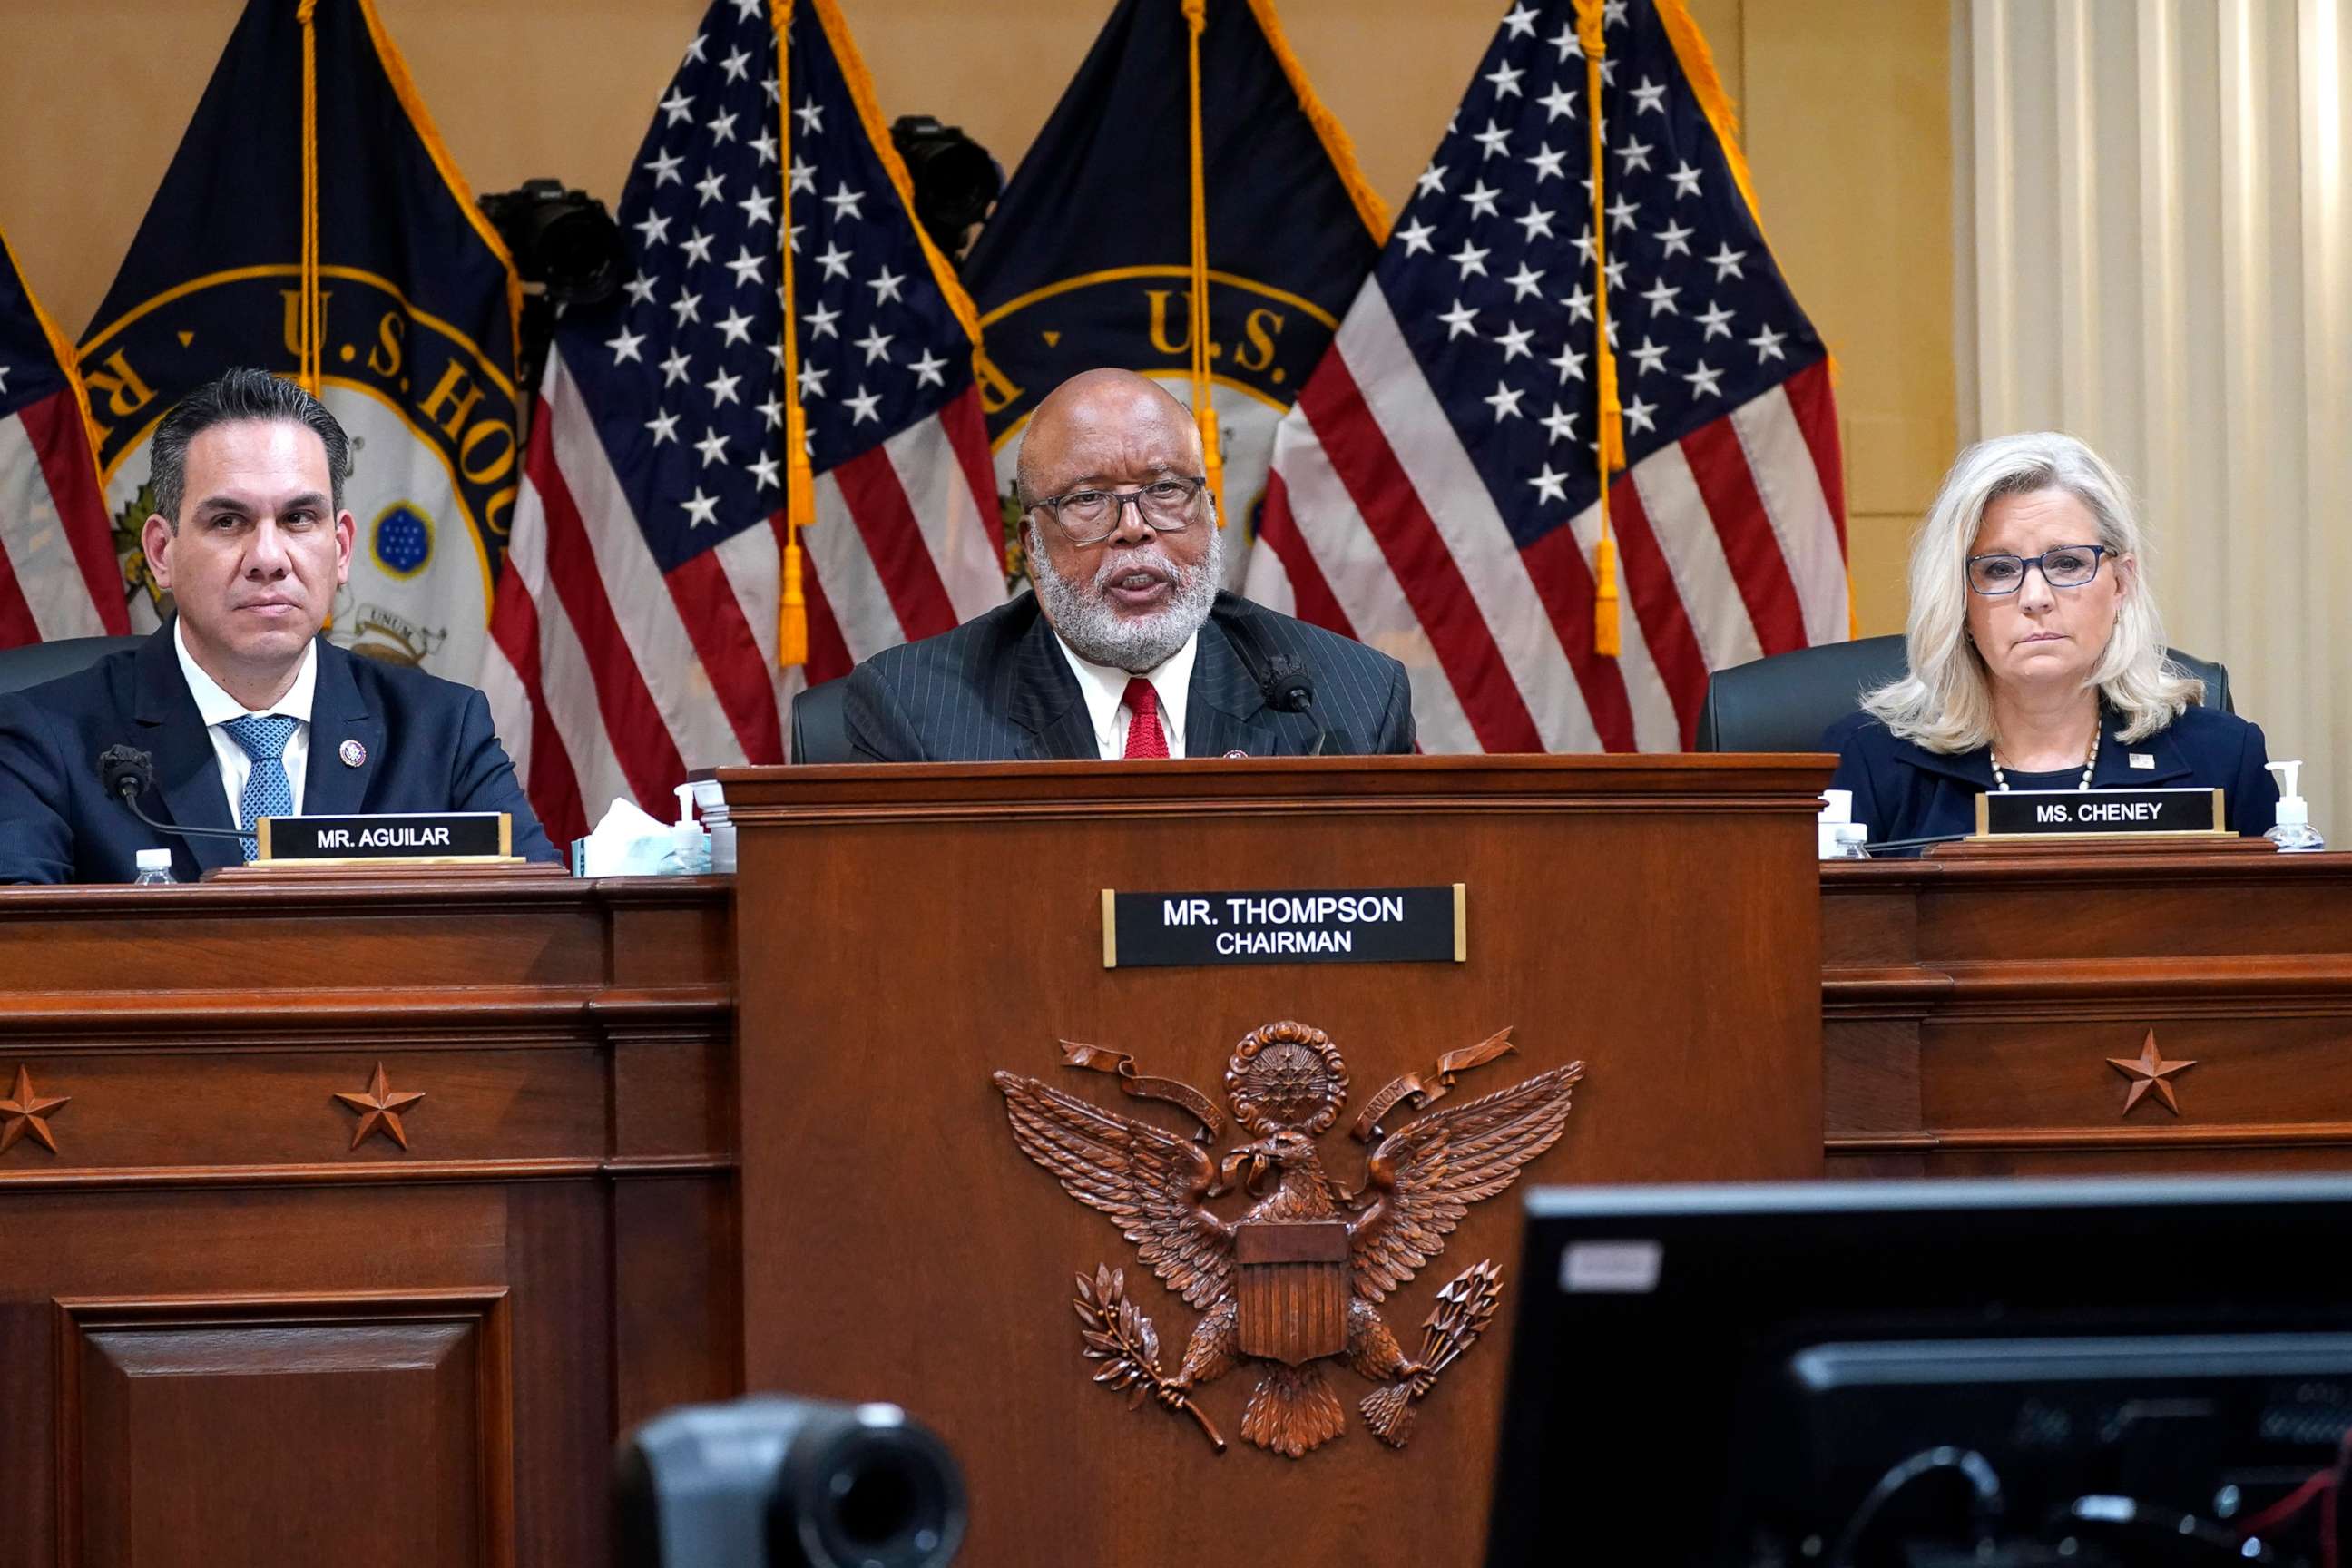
1143 736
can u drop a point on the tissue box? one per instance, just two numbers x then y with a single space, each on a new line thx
626 843
630 857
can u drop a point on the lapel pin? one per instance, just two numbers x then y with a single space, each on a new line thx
352 754
2143 760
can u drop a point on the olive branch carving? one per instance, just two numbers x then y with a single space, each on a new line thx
1123 1339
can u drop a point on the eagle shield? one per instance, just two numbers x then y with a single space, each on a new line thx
1293 1289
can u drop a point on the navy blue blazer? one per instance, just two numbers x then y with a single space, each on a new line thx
997 689
1905 791
429 747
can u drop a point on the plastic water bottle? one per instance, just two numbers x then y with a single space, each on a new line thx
2293 830
154 868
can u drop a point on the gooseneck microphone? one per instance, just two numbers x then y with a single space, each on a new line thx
1289 688
127 772
1927 842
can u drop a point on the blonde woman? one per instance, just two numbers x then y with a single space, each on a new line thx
2037 657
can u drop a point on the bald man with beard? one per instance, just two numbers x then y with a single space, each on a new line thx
1127 647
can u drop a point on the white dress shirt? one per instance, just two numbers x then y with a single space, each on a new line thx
1105 690
217 708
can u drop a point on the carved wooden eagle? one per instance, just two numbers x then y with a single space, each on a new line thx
1298 1276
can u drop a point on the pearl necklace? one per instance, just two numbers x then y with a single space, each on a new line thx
2002 779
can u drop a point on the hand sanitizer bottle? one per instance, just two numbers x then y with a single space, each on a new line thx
2293 830
690 845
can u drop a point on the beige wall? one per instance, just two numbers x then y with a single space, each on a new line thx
1848 132
1845 102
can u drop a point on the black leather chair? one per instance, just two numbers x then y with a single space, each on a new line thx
820 729
38 661
1783 704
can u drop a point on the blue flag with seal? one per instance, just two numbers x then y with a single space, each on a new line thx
1093 255
312 224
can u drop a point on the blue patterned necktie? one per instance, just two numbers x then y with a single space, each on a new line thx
267 791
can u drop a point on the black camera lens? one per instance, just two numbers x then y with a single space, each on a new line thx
870 1492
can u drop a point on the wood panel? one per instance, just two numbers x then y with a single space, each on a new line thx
677 1298
1974 1008
172 1417
226 1335
422 931
144 1109
1655 919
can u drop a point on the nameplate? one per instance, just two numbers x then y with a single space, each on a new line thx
436 836
1312 925
2077 814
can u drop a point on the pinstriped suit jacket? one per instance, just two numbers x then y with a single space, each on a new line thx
997 689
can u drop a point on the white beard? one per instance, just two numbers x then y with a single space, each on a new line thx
1098 633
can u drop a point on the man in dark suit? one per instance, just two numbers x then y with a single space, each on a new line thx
246 711
1127 649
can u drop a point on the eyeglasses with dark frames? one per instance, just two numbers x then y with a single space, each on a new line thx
2065 566
1090 516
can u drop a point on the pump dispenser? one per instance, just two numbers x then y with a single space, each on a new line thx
690 845
2293 830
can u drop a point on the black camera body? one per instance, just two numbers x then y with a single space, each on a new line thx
792 1483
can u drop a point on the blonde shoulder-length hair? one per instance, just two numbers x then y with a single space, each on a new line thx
1944 701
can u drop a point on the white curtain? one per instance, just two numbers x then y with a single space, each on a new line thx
2155 253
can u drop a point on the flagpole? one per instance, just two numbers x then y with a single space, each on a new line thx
1611 437
1204 410
307 354
800 476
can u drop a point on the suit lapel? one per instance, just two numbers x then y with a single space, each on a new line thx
339 713
1225 709
1044 699
187 770
1968 767
2113 769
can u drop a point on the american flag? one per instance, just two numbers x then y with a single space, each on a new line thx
57 575
1436 488
636 629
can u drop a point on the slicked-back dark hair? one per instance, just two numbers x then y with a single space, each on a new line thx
233 395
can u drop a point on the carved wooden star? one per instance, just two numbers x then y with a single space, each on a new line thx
379 1108
24 1113
2149 1070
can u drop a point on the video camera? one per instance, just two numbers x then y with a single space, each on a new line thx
774 1482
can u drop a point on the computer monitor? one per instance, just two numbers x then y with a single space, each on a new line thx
1992 1372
